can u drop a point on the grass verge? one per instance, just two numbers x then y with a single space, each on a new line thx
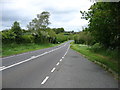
12 49
98 58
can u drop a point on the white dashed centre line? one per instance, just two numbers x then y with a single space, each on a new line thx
33 57
53 70
60 60
62 57
58 63
43 82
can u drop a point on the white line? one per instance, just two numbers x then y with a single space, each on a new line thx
66 51
60 60
53 70
58 63
45 80
33 57
2 67
28 53
16 64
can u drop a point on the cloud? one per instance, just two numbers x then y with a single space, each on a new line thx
64 13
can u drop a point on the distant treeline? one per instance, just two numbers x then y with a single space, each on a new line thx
38 32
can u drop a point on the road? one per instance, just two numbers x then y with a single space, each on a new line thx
55 67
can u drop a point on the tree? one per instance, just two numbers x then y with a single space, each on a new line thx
103 23
41 22
16 29
58 30
8 36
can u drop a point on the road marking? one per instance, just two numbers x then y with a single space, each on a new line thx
2 67
16 64
58 63
45 80
53 70
67 51
45 52
60 46
60 60
33 57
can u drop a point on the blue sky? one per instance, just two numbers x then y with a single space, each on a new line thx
64 13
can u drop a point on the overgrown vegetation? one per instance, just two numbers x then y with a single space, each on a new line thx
84 38
104 25
100 55
38 34
102 34
13 48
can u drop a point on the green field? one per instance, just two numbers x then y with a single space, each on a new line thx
12 49
99 57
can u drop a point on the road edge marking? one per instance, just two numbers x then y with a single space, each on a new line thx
30 58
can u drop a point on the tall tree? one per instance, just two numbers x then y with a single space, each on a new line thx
16 28
41 22
103 23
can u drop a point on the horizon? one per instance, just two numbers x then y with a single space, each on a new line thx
66 15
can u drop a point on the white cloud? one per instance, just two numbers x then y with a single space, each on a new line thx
64 13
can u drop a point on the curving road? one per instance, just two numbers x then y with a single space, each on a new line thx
55 67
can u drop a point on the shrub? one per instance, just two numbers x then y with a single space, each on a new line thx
96 47
61 38
27 39
84 38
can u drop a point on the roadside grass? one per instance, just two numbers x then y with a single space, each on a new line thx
111 63
12 49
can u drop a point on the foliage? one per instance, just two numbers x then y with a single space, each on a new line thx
8 36
61 38
96 47
41 22
52 36
99 56
38 32
17 31
103 23
84 38
14 48
58 30
27 39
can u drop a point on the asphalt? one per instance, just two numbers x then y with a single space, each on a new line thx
61 68
77 72
6 61
30 74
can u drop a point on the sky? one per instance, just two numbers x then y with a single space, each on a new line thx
63 13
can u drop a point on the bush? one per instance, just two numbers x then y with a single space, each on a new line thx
61 38
96 47
27 39
84 38
8 36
